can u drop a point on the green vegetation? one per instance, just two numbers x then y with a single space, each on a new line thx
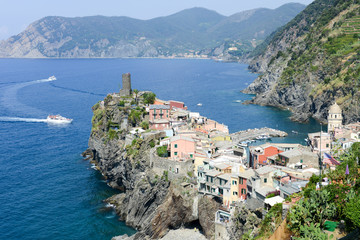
337 201
271 221
149 98
144 125
162 151
133 149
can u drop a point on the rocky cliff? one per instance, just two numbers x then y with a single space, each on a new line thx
193 32
150 203
312 62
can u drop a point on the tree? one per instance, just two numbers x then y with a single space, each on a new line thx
149 98
136 94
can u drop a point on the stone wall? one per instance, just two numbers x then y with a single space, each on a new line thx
175 168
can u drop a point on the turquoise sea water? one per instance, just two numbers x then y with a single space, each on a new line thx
47 190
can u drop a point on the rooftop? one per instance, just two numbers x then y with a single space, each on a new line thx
247 174
179 137
264 170
166 107
213 173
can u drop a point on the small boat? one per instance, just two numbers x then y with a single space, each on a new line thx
295 132
199 104
238 101
58 119
52 78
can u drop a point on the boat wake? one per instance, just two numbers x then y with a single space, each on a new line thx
9 100
18 119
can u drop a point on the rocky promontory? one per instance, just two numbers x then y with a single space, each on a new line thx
149 201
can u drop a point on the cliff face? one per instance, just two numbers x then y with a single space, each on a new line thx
151 203
312 62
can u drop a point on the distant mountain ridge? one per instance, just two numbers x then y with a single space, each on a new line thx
191 32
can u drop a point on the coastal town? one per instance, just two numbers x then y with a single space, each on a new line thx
237 168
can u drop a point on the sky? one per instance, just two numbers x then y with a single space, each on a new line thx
16 15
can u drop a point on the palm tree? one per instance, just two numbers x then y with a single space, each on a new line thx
136 94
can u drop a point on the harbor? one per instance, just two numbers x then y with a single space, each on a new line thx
256 134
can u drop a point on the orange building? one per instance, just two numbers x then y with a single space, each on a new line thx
259 155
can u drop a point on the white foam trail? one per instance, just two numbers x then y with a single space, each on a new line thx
9 99
17 119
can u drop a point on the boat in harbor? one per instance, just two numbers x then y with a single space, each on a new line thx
199 104
52 78
58 119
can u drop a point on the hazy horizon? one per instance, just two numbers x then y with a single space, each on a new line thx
16 15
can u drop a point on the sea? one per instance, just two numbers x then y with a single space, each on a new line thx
48 191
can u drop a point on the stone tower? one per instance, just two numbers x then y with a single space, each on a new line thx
334 118
126 85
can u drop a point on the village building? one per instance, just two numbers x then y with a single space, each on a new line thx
320 141
177 104
243 178
159 112
297 158
259 155
159 117
334 118
182 148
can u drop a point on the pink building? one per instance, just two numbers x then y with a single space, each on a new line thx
320 142
182 147
177 104
159 112
211 125
159 124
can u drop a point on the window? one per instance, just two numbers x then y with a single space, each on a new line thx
265 180
235 193
211 179
175 146
327 145
234 182
175 153
243 191
301 161
241 181
191 156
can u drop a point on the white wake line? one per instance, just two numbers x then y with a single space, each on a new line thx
18 119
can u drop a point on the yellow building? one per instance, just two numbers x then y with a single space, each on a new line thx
334 118
234 188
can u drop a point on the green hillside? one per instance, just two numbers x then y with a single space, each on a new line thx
194 31
318 58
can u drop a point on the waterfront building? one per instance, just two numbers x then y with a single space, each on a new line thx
177 104
159 112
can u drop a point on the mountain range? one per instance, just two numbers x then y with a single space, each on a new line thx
191 32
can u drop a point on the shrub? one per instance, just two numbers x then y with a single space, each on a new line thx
162 151
149 98
352 213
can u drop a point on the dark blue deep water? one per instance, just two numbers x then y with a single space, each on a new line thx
47 191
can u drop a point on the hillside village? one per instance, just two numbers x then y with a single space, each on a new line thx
218 165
